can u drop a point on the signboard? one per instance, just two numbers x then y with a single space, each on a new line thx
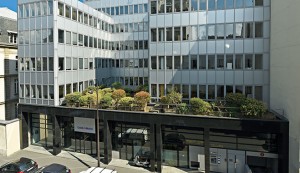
85 125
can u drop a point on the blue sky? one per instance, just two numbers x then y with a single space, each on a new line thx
11 4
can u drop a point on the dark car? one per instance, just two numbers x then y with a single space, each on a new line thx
174 141
54 168
24 165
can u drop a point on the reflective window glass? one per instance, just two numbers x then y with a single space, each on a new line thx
169 6
153 7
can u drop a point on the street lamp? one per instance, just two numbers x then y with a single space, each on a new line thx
97 126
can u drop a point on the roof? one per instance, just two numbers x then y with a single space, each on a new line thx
5 12
54 168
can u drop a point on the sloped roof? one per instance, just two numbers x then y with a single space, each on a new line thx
5 12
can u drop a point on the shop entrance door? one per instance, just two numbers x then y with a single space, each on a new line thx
236 161
85 143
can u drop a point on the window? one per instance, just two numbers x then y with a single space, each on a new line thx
177 62
259 3
26 14
153 90
202 5
74 14
74 39
153 7
185 5
32 37
169 60
239 3
61 63
16 86
32 9
117 11
220 31
194 5
248 91
229 62
211 4
153 62
202 62
169 6
258 29
146 8
239 89
45 64
153 35
68 37
44 36
161 6
185 33
50 7
248 62
185 62
75 63
248 30
161 34
202 91
249 3
229 31
194 62
229 4
161 62
177 6
61 9
21 11
32 64
12 38
112 11
258 61
211 31
211 92
220 61
91 63
169 34
68 11
38 64
239 62
80 17
68 63
220 91
50 35
185 91
61 36
145 44
136 9
91 20
50 63
211 61
239 30
38 36
259 92
86 20
220 4
86 41
44 8
202 32
126 9
130 9
177 34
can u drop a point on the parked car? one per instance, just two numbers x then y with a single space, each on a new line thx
142 159
174 141
23 165
99 170
54 168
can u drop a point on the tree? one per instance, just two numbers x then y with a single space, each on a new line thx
253 108
106 100
200 107
142 98
174 97
117 95
126 101
235 99
72 98
116 85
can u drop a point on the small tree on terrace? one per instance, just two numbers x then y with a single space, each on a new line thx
142 98
117 95
72 98
174 97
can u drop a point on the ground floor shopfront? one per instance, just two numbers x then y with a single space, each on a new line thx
196 142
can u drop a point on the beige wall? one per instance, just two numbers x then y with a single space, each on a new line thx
285 69
10 137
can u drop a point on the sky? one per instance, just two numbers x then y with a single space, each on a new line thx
11 4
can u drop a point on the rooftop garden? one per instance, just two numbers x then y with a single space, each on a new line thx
118 98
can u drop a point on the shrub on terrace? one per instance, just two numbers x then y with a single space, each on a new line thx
235 99
72 98
126 101
200 107
253 108
142 98
117 95
116 85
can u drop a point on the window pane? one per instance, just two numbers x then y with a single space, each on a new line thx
239 30
211 31
153 90
177 6
185 91
220 4
258 29
248 30
141 8
229 62
211 5
220 31
146 8
50 63
249 3
239 62
259 2
176 33
38 63
161 61
185 62
130 9
258 61
258 92
153 35
220 61
194 62
229 31
161 6
68 63
126 9
169 6
239 3
202 91
136 9
202 5
211 92
44 36
185 35
68 37
161 34
68 11
202 32
153 62
75 63
32 9
61 63
169 34
202 62
74 40
211 61
61 34
45 64
248 62
185 5
177 62
229 4
169 62
74 14
194 5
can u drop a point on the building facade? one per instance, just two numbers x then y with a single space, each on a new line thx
8 65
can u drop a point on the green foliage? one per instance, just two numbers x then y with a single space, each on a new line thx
116 85
142 98
200 107
253 108
142 88
72 98
107 90
129 91
83 100
89 89
126 101
164 100
174 97
235 99
106 100
182 108
117 95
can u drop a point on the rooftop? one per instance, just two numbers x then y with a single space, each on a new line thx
5 12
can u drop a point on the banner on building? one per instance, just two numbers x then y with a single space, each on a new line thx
85 125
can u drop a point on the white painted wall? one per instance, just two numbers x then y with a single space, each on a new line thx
10 137
284 70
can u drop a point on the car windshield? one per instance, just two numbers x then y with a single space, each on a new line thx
24 165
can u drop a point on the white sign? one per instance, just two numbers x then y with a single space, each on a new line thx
86 125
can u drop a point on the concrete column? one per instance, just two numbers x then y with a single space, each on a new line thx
159 147
56 134
152 147
107 142
206 150
24 130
